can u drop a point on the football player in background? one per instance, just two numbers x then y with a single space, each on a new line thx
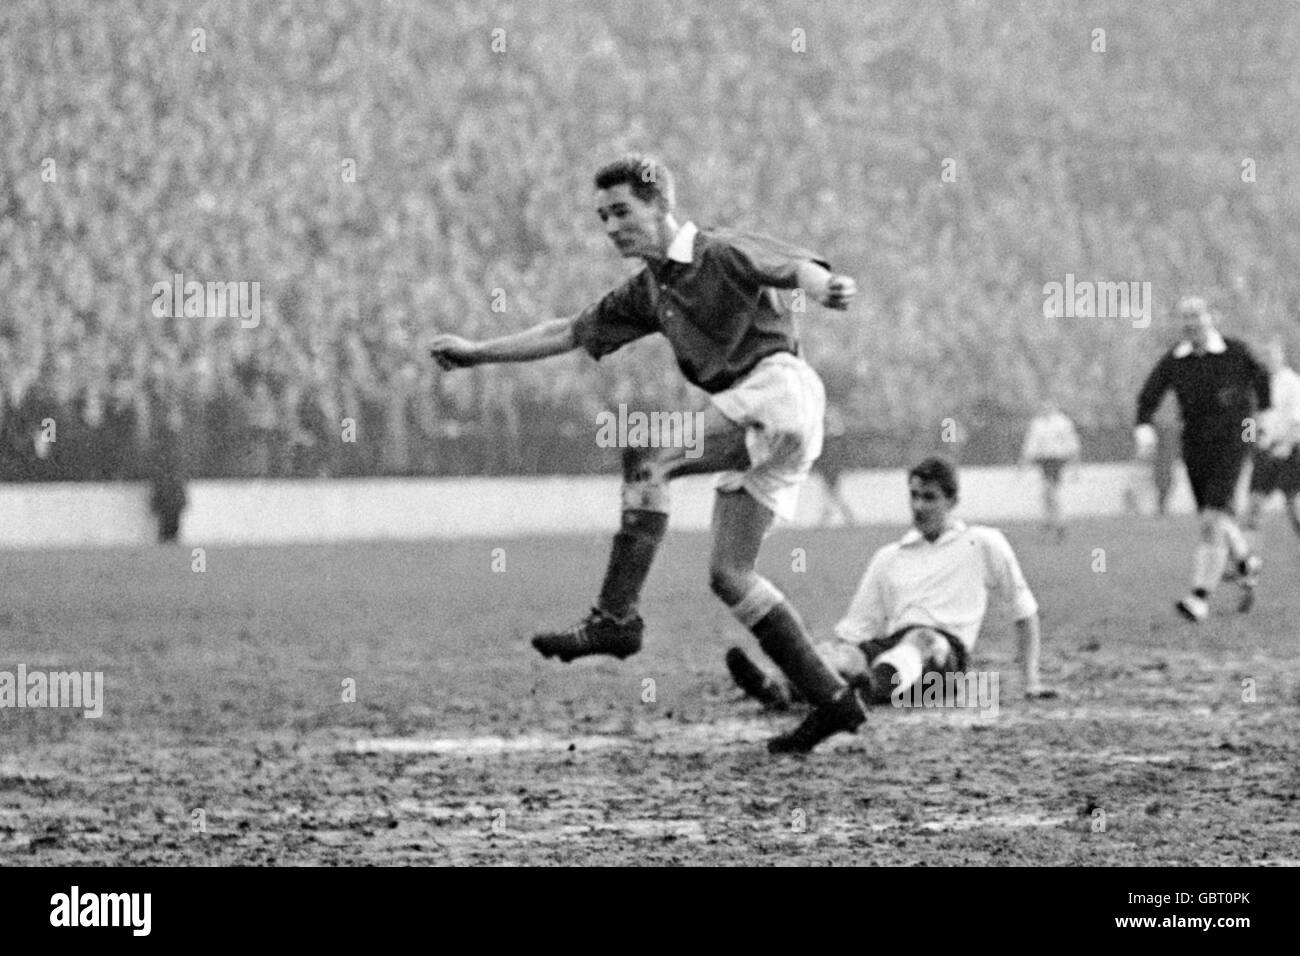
1277 460
1052 444
713 295
920 604
1219 386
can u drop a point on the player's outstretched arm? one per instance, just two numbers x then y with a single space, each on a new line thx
541 341
1027 633
831 290
1153 390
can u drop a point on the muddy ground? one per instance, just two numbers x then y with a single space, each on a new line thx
226 738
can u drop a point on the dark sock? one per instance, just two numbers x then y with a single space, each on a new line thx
884 682
783 638
1201 593
630 558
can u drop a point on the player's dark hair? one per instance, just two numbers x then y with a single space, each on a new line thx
937 470
649 178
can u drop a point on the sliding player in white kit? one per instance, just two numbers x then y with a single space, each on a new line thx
919 607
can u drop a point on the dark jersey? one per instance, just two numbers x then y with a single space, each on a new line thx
721 311
1216 392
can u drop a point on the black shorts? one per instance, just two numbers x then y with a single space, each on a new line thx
1276 474
1051 468
1213 469
957 661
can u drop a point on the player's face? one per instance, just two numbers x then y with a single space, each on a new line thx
634 226
1196 328
930 506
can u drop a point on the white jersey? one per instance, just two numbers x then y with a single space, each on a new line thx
1284 388
1051 436
943 584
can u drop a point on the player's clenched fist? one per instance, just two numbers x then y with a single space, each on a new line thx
451 351
840 291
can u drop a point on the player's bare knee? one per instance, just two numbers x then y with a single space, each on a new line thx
730 583
648 494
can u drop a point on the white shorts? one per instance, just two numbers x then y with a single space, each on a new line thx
781 405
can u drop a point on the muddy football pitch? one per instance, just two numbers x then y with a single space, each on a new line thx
380 704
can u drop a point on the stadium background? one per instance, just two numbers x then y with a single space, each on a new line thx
472 174
231 733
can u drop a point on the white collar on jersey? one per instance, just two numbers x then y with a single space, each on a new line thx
955 527
1214 344
682 248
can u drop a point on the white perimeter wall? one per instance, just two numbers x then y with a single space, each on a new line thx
267 512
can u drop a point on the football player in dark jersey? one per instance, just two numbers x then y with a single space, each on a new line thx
713 293
1220 388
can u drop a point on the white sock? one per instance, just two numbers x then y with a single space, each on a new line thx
906 660
1207 565
1236 540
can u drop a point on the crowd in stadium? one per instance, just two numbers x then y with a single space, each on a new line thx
325 158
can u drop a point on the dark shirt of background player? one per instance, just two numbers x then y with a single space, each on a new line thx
1216 389
721 311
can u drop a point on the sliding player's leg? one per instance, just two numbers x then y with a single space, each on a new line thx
883 670
903 659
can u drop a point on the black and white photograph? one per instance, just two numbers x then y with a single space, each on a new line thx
651 433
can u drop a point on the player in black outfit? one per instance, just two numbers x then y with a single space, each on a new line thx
1220 389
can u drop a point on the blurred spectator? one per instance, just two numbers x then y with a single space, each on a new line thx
1052 444
127 157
